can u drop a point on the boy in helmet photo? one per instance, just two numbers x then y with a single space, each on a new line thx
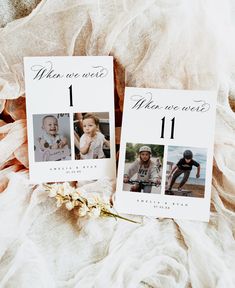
184 166
145 170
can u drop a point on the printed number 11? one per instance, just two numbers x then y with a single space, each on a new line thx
71 95
172 127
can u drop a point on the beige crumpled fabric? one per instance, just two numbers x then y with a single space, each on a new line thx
176 44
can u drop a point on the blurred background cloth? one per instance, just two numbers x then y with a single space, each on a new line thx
159 44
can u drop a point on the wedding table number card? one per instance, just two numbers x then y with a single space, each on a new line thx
70 118
166 153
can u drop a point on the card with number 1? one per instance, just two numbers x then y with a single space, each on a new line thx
70 118
166 153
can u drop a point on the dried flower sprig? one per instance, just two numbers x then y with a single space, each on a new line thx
92 205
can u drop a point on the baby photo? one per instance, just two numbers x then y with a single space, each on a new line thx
91 135
51 137
143 168
186 170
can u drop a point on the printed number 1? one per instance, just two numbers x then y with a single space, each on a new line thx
172 127
71 95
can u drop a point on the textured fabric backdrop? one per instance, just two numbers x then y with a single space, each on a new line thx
176 44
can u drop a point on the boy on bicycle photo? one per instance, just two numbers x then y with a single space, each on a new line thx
145 169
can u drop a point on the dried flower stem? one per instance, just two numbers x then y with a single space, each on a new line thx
92 205
119 216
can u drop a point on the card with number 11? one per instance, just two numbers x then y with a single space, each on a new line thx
166 153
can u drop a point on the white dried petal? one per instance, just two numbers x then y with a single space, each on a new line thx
83 210
52 192
91 201
75 195
95 212
69 205
59 203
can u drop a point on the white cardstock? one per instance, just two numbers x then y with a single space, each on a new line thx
64 95
172 125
